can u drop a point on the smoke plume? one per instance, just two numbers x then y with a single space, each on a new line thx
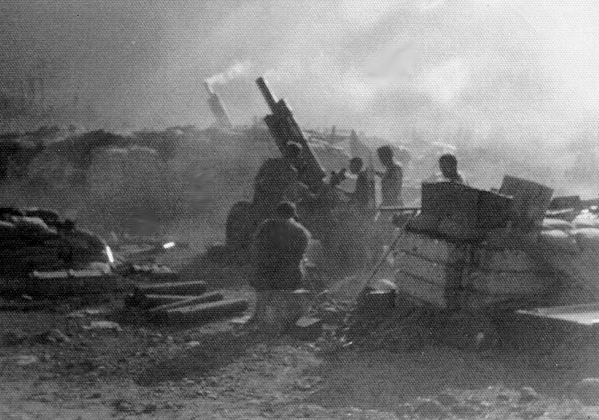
524 67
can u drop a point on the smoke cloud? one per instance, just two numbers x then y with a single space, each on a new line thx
385 67
236 71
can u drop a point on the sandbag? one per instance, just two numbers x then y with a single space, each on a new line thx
32 227
507 260
31 251
50 217
506 238
580 271
7 212
586 220
560 224
559 241
8 243
580 268
518 284
81 239
587 239
7 229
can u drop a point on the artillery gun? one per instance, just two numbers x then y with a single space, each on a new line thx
273 182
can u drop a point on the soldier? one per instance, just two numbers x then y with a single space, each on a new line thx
276 175
364 191
391 179
448 164
278 250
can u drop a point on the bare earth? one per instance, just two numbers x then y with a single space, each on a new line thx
58 365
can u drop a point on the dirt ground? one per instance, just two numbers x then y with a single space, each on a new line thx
92 364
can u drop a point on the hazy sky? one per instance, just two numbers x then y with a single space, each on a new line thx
383 65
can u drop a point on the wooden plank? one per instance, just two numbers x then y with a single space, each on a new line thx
189 288
138 299
201 313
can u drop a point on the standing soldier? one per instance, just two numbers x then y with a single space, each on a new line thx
391 179
363 195
448 164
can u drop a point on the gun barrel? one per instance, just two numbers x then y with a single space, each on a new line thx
266 93
208 87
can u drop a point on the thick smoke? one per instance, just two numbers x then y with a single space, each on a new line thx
517 71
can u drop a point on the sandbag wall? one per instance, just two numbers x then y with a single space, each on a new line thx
28 244
37 260
508 274
572 249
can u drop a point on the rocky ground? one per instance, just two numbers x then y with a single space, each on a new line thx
94 363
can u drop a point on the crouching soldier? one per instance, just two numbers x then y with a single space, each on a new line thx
278 249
